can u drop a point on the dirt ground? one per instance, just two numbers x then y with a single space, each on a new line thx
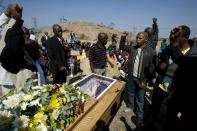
122 121
126 121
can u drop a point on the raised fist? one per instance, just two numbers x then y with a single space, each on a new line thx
154 19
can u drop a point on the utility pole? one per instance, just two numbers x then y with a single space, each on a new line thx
111 25
1 5
135 30
34 22
63 20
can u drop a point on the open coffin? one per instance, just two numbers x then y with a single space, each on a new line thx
95 85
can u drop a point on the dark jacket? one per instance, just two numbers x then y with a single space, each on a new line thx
12 56
152 42
147 67
185 83
185 75
56 53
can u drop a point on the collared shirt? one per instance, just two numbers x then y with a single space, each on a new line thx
60 40
46 37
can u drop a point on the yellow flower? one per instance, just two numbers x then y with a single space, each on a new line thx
53 104
54 96
39 118
30 125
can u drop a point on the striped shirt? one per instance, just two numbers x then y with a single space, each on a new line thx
97 55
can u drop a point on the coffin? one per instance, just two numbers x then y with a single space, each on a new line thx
102 104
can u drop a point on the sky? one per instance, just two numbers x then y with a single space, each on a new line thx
130 15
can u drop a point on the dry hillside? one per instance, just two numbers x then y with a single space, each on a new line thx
85 31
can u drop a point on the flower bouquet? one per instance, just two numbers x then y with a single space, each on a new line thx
48 107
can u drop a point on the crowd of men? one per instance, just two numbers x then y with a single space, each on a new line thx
171 72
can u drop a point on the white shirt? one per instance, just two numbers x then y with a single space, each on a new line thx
46 37
32 37
136 66
3 19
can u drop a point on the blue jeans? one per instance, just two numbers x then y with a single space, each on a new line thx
134 92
